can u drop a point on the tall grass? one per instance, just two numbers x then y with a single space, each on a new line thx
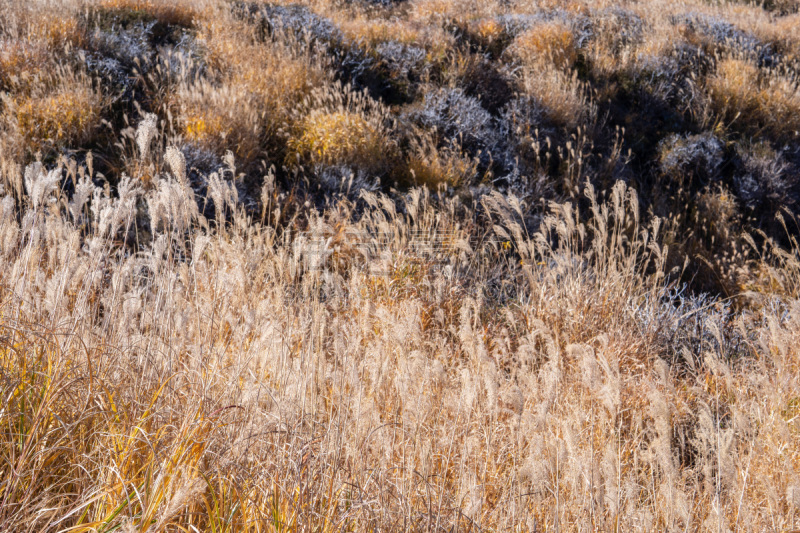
393 371
388 267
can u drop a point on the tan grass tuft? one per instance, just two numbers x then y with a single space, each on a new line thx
755 100
68 115
547 43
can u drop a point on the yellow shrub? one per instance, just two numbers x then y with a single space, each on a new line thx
340 137
755 100
204 127
67 117
338 126
550 42
275 74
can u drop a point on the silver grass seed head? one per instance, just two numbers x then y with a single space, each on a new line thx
145 133
176 162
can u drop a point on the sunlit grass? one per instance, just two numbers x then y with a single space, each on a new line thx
399 266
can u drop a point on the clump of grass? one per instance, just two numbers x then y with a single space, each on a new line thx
20 62
342 127
720 213
562 96
180 13
433 166
619 37
215 118
265 82
547 43
338 136
754 100
488 34
67 115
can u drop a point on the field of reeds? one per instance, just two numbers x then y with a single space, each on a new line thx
399 265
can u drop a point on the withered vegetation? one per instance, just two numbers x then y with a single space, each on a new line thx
399 265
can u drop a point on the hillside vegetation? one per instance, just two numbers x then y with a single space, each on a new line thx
421 265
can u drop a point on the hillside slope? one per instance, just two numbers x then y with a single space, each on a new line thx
417 265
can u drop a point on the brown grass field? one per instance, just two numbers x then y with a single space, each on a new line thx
399 265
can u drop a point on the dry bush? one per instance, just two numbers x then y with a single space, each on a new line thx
433 166
66 115
338 126
755 100
551 42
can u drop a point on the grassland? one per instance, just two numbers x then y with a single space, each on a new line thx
422 265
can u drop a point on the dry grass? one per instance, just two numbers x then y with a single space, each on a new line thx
20 61
58 30
433 166
561 95
263 83
67 115
342 127
364 401
755 100
181 12
220 117
416 266
549 43
338 137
